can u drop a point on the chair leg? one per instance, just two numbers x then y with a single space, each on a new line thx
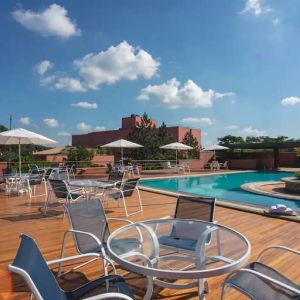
140 200
125 207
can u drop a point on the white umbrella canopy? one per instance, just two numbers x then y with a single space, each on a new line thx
176 146
215 148
122 144
22 136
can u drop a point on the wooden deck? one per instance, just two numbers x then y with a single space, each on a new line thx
16 217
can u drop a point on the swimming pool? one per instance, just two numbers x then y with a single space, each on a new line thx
225 186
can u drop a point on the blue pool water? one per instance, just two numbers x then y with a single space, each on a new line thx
225 186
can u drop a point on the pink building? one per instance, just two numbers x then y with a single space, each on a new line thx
94 139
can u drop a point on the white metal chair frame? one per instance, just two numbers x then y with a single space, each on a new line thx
32 191
37 294
260 275
115 190
102 254
82 194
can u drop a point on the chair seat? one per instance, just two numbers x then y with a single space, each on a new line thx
98 286
119 246
180 243
259 288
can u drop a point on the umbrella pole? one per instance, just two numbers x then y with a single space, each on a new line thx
122 156
176 158
20 159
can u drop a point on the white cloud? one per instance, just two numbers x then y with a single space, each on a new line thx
275 21
232 127
172 95
253 132
100 128
24 121
63 82
85 105
206 121
116 63
290 101
63 133
53 21
82 126
43 67
51 122
256 7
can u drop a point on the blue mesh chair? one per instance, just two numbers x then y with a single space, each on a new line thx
193 208
125 191
90 230
259 281
31 265
62 191
191 240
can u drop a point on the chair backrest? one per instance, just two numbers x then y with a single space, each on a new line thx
35 178
116 176
197 208
88 216
59 188
31 265
33 168
129 186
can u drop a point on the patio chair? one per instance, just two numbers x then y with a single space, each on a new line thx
123 192
116 177
260 281
33 181
63 191
224 165
184 167
30 264
34 169
168 166
194 208
90 230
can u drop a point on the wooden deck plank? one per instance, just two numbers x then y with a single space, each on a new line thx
17 216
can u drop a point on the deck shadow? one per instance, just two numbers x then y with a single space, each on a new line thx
33 216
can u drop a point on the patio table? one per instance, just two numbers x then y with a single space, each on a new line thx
94 184
219 250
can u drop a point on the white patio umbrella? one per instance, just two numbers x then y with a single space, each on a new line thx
122 144
22 136
176 146
215 148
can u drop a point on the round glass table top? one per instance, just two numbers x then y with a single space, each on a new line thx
91 183
177 248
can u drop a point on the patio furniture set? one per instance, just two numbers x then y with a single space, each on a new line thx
189 246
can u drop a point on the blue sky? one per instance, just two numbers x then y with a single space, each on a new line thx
227 67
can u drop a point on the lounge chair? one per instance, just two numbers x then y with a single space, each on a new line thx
32 267
223 165
90 230
168 166
123 192
184 167
262 282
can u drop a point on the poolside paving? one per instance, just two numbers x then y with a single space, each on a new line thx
17 216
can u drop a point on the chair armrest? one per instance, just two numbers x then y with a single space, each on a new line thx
270 279
119 219
165 217
60 260
109 296
77 190
277 247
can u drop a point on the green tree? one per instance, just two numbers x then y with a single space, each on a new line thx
78 155
190 140
144 133
230 139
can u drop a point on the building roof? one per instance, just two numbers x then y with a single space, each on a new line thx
282 145
51 151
